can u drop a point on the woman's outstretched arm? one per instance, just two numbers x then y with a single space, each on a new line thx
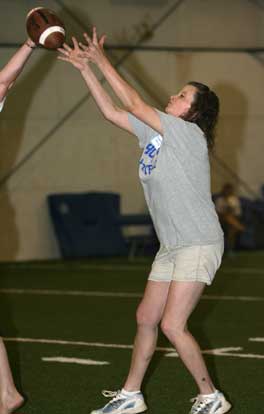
130 98
104 102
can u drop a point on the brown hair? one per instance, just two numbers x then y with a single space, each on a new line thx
204 111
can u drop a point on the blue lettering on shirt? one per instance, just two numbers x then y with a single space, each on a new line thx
150 150
150 155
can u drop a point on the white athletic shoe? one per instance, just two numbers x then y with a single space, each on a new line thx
122 404
211 404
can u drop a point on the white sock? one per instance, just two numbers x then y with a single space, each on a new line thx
209 395
129 393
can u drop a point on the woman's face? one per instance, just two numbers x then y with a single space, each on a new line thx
180 104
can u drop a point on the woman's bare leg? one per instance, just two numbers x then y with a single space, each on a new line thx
149 314
182 299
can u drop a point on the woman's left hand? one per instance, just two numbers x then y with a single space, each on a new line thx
94 52
74 55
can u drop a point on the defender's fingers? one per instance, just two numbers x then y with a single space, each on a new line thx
63 51
75 43
82 46
95 40
102 40
87 38
67 47
63 58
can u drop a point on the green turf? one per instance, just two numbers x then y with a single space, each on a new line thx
67 388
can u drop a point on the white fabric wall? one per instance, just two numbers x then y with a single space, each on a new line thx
86 153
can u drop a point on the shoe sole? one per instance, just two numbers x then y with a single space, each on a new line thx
227 407
128 411
135 410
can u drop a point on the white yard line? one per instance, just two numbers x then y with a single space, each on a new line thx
56 292
256 339
242 270
84 267
238 298
78 361
77 343
225 352
119 267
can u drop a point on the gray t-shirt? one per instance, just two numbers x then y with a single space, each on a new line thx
175 174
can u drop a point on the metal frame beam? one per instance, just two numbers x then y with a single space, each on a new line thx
129 50
53 130
164 48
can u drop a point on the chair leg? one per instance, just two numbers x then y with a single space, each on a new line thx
132 250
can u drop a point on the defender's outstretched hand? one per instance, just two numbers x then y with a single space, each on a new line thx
94 52
74 55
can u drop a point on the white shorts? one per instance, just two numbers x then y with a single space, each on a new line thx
187 264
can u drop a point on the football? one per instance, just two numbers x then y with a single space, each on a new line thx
45 28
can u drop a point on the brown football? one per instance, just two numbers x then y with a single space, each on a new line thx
45 28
